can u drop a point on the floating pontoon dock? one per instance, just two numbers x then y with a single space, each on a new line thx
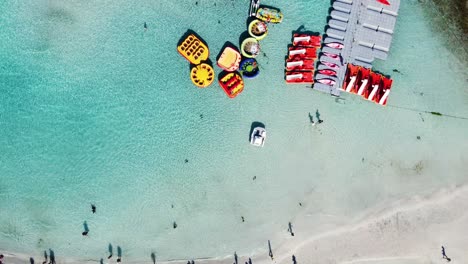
365 27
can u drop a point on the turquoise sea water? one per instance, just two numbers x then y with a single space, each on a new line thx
93 109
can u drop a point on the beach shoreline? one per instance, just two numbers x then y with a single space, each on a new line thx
413 230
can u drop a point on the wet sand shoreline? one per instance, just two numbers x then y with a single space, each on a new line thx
412 229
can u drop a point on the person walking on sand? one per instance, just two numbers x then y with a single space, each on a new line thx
45 257
444 256
270 253
1 258
311 119
290 229
317 114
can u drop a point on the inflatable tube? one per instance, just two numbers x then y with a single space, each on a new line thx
250 48
202 75
258 29
249 68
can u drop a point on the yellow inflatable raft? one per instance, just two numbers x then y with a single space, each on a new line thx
193 49
202 75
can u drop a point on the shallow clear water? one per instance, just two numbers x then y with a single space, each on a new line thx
94 109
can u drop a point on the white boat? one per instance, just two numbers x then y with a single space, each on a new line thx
258 136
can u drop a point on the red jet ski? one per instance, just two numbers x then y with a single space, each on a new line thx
331 55
326 81
327 72
335 45
330 65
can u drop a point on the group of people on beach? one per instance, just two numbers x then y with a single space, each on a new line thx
86 232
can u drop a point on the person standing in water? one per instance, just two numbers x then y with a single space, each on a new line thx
311 119
145 26
270 252
317 114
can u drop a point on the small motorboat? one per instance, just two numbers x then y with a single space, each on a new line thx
330 65
193 49
334 45
269 15
202 75
249 68
250 48
300 77
229 60
232 83
326 81
306 40
327 72
302 52
332 55
258 29
300 65
258 137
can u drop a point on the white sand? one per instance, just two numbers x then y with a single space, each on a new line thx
410 231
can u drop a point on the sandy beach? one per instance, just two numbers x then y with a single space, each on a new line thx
410 231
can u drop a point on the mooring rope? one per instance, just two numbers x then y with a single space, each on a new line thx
428 112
